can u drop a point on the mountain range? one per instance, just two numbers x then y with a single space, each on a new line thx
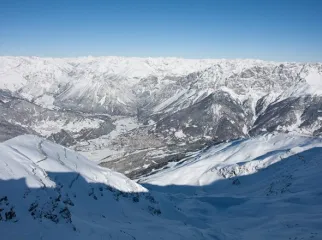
135 115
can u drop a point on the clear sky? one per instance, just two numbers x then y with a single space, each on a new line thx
282 30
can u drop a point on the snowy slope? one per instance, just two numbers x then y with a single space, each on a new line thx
50 192
31 158
233 159
261 188
265 187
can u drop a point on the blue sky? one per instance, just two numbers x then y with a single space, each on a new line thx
282 30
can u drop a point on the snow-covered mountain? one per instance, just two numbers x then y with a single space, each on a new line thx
265 187
50 192
173 106
238 158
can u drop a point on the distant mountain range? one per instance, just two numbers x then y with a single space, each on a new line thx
137 114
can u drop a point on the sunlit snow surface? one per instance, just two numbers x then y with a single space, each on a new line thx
31 157
268 187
